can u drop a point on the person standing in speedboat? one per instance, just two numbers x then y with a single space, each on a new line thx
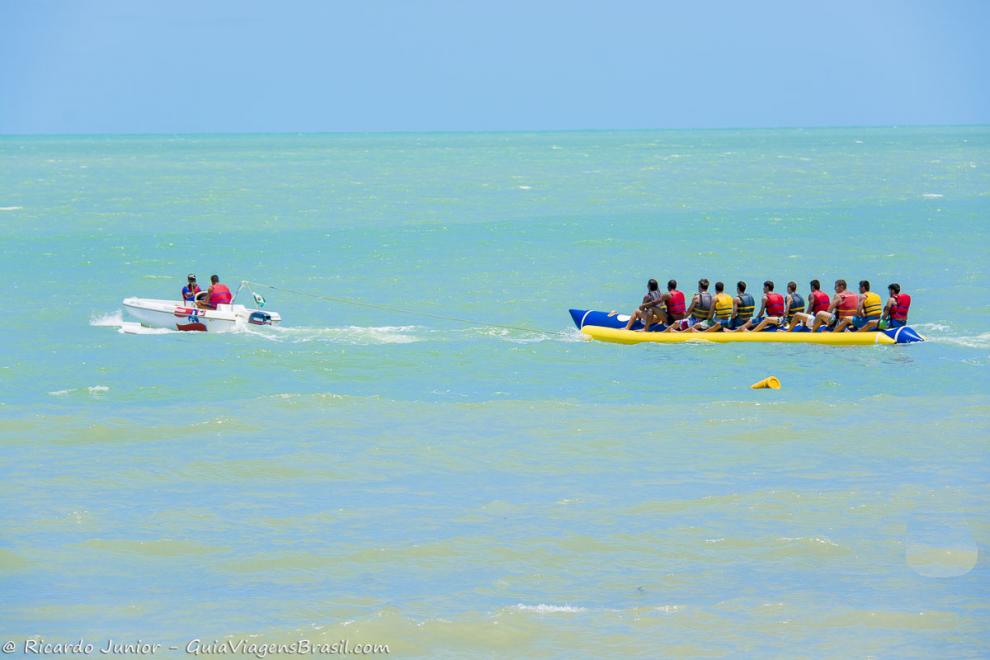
218 294
652 309
190 290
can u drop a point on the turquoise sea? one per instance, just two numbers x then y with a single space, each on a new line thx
453 489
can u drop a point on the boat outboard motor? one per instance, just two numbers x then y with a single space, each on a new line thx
260 318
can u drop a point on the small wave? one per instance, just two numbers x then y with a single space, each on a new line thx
134 328
932 327
932 195
972 341
112 320
116 320
550 609
820 540
93 390
520 336
524 187
353 334
11 208
668 609
505 334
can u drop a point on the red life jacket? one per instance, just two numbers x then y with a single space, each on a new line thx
775 304
220 295
899 311
675 304
189 293
848 304
819 301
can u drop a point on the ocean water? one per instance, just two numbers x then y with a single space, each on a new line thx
451 488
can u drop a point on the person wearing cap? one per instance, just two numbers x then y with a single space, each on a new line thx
190 290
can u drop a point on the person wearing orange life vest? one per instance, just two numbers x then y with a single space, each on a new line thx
896 309
217 294
844 305
651 310
676 307
868 312
818 301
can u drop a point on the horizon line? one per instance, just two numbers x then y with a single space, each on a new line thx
483 131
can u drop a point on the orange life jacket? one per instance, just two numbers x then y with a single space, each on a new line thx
220 295
848 304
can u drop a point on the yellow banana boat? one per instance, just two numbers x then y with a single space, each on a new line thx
610 327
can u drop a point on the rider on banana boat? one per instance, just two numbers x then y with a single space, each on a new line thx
793 304
720 314
818 301
895 312
699 310
652 309
744 306
844 305
674 301
868 311
772 305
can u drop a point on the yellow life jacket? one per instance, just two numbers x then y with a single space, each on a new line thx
872 305
723 306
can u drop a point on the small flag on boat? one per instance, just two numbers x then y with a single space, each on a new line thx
258 299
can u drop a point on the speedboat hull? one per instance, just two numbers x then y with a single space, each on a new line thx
610 327
185 317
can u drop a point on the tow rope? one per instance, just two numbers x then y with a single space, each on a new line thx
388 308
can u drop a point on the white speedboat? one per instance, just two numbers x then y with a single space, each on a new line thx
185 316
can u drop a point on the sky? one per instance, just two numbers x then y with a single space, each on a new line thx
181 66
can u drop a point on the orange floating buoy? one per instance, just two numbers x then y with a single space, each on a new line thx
768 383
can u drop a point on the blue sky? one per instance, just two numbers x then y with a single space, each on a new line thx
136 66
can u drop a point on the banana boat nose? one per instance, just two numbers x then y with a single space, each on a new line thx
904 335
578 316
